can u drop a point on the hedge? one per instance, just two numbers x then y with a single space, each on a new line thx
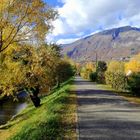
116 80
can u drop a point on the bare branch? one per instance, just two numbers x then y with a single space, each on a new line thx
18 27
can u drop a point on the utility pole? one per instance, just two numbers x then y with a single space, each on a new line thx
96 60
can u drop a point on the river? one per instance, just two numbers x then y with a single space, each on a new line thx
8 109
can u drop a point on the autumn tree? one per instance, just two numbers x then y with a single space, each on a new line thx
133 65
24 21
90 66
87 68
28 68
11 74
132 69
114 66
64 71
49 57
26 61
20 70
115 75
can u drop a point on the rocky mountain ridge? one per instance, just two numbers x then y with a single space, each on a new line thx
114 44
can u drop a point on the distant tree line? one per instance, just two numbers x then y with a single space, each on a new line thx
119 75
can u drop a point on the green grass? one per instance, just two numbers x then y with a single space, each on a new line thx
48 122
125 94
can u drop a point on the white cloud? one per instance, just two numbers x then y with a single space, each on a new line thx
77 16
66 41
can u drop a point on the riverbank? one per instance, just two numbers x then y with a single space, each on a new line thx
10 107
54 119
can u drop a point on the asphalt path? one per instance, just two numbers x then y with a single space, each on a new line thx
104 115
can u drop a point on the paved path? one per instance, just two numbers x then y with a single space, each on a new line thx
103 115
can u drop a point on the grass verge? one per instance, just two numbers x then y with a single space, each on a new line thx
55 119
126 95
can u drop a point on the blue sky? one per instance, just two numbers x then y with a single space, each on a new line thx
80 18
54 3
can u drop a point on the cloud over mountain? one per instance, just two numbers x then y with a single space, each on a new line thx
81 17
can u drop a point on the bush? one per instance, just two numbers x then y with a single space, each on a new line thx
64 71
134 84
93 76
99 75
85 73
117 80
102 66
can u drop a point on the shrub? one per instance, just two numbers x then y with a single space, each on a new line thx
64 71
102 66
93 76
85 73
134 84
117 80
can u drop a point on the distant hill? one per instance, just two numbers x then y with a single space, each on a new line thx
114 44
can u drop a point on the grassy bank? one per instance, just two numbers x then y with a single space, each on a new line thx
54 120
126 95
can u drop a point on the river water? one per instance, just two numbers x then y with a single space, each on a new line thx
9 108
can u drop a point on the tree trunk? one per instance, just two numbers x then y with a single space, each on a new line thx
35 100
34 97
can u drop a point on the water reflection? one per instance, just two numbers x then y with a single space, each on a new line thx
9 108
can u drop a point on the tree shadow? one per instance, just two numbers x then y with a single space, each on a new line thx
109 130
100 97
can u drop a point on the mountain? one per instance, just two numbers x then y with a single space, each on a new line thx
114 44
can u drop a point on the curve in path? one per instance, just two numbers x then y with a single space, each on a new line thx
103 115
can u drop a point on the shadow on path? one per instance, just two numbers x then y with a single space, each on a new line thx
103 115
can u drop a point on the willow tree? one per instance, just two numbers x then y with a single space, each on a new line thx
28 68
24 21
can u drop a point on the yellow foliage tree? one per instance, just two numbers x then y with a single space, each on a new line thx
23 21
133 66
90 66
87 69
115 66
